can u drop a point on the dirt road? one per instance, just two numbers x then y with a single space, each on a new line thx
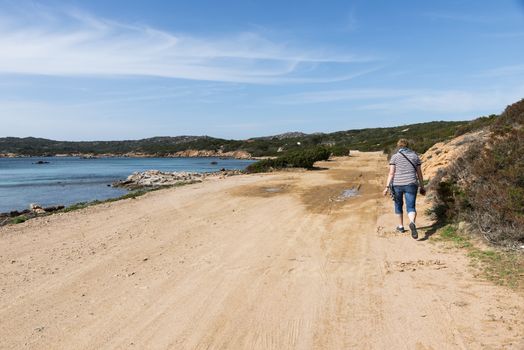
274 261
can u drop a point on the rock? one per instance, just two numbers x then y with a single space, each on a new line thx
155 178
41 162
34 206
54 208
214 163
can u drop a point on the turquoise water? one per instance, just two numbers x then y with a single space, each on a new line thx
69 180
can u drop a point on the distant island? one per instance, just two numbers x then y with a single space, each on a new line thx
424 135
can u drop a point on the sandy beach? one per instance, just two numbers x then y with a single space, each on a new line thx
269 261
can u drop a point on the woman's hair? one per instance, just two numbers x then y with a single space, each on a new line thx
403 143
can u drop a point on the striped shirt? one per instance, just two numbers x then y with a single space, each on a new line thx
405 173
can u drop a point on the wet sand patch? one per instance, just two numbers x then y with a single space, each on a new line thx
267 190
327 198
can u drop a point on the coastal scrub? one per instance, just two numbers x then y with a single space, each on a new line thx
296 159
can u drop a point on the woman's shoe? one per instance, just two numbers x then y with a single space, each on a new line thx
413 228
400 229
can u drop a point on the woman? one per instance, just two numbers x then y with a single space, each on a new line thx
406 177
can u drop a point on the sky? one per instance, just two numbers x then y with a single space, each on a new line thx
128 69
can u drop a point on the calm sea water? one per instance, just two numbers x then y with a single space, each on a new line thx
69 180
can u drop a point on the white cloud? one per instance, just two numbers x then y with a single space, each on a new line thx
450 102
413 100
342 95
73 43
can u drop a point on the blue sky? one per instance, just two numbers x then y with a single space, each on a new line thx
100 70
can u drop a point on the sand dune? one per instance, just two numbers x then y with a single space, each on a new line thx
275 261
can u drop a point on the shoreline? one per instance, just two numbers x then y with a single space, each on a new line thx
180 154
137 184
69 180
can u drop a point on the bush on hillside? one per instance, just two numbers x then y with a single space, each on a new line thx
294 159
339 150
476 124
486 185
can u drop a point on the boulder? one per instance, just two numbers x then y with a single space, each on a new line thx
35 206
53 208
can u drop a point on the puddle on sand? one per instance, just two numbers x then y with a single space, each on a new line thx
348 193
272 189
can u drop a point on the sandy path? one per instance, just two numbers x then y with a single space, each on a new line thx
249 262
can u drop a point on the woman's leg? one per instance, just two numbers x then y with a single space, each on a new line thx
399 203
411 197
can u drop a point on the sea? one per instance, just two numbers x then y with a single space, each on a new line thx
70 180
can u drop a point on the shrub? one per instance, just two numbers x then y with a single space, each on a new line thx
339 150
293 159
19 219
486 185
476 124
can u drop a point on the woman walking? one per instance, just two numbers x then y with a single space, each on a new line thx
406 177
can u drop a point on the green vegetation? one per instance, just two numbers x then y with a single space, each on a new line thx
130 195
449 233
296 159
19 219
501 267
423 136
485 186
476 124
76 206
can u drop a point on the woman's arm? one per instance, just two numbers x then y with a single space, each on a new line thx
390 178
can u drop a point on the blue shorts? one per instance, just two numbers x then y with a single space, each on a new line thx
410 191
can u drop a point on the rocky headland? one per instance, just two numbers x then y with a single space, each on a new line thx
156 178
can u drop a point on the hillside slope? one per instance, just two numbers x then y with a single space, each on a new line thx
479 178
443 154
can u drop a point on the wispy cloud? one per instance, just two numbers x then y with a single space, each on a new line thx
342 95
504 71
450 102
76 43
412 100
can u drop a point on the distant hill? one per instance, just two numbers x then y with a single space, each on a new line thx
287 135
424 135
